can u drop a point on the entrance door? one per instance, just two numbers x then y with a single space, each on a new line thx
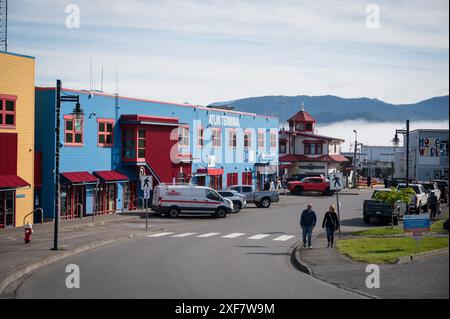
129 196
7 209
106 199
201 180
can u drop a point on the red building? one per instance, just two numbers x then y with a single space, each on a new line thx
302 151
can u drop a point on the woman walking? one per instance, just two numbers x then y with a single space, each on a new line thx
331 224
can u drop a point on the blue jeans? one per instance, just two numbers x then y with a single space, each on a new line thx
307 232
330 234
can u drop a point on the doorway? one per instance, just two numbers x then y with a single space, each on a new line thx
7 209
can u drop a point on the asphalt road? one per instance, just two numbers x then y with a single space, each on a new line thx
245 255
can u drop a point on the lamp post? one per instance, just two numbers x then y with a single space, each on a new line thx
396 141
78 115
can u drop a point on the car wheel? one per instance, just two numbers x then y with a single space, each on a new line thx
221 212
173 212
265 202
298 190
366 219
237 206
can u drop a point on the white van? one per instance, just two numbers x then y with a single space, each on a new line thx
172 200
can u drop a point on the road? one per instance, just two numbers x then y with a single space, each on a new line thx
245 255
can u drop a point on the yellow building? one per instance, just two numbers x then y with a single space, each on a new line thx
16 139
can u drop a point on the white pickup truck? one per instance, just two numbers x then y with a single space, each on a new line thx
433 187
419 200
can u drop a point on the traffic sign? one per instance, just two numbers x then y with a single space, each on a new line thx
336 181
416 224
147 194
146 182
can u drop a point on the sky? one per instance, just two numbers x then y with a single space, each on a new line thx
201 51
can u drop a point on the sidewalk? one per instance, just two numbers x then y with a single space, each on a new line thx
18 259
425 278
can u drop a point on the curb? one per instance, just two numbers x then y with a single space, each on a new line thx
420 256
24 270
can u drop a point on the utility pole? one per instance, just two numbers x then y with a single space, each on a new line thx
354 159
407 153
4 25
57 177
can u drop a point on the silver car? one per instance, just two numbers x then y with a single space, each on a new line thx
239 200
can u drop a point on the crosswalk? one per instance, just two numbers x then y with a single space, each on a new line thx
277 237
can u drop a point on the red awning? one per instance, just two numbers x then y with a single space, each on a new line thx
80 177
111 176
12 181
210 171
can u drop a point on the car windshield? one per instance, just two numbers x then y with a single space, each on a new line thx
414 187
428 186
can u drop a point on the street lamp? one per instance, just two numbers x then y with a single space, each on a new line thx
396 142
78 116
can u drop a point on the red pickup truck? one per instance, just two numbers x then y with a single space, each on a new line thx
310 184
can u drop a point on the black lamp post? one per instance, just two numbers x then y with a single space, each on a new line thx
78 115
396 141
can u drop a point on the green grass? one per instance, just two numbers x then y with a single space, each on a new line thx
387 250
379 231
438 227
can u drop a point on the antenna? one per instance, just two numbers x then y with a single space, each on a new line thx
4 25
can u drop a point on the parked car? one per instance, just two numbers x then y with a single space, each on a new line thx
239 200
299 177
443 187
432 187
259 198
310 184
173 200
377 209
420 200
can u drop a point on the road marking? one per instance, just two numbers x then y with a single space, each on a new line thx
284 238
259 236
233 235
159 234
208 235
184 235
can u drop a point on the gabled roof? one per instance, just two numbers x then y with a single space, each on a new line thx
302 116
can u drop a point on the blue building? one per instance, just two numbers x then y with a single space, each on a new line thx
118 139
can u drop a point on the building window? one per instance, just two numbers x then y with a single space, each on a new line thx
273 140
183 139
300 127
105 132
232 138
7 111
216 138
73 131
129 144
200 139
247 139
141 143
309 127
313 149
282 149
261 139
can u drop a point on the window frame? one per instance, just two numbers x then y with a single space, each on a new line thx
73 132
105 133
3 112
183 139
214 140
284 146
200 137
232 138
263 133
138 148
273 140
317 147
247 139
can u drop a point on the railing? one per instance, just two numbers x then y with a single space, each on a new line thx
37 209
69 208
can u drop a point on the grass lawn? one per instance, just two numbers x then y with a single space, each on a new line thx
387 250
379 231
438 227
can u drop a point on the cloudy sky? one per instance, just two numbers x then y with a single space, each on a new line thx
202 51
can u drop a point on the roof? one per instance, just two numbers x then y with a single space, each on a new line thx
200 107
80 177
111 176
17 54
305 158
12 181
328 138
302 116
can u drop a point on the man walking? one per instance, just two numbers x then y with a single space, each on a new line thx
307 223
433 203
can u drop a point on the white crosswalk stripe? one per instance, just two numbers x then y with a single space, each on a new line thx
259 236
233 235
208 235
159 235
184 235
284 238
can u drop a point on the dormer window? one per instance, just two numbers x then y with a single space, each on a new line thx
300 127
309 127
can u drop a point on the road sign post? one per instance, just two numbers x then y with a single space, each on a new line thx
337 184
146 187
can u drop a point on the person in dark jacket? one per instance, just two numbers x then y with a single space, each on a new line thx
331 224
308 221
369 181
432 204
